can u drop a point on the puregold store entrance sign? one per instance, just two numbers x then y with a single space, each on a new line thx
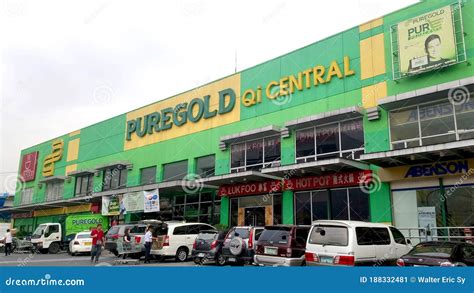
318 75
211 105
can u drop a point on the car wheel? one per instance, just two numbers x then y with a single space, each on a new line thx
197 261
236 246
53 248
220 260
115 252
182 254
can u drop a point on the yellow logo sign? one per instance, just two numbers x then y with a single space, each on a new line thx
56 155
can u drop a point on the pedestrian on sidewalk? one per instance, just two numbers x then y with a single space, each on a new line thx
8 240
148 241
98 240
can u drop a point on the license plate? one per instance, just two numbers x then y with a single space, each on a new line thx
200 254
419 266
325 259
271 250
231 259
87 243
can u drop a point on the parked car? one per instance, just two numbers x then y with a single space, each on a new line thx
116 232
439 253
239 244
176 239
208 247
350 243
282 245
81 243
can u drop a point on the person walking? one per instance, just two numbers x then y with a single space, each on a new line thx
127 243
8 240
98 240
148 241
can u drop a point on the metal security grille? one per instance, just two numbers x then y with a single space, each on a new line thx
456 9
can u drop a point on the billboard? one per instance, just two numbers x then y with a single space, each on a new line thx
151 201
111 205
28 166
426 42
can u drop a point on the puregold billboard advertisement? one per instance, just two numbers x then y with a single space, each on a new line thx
426 42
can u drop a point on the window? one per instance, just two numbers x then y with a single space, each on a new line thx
175 171
255 154
180 230
335 204
54 191
205 166
301 236
364 236
197 207
329 235
343 139
115 178
381 236
193 229
84 184
431 123
27 196
148 175
397 236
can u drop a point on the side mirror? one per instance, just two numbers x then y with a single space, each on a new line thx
236 234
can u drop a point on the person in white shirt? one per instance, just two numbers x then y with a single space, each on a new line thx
148 241
8 239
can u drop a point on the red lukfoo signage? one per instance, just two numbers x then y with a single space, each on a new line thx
328 181
28 166
301 183
250 188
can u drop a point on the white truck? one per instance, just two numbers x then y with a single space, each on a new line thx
52 237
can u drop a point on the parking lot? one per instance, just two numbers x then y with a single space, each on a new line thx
64 259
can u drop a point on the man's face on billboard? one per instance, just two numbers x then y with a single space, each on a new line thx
434 48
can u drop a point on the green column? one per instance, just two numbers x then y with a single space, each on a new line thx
380 204
225 211
287 207
288 150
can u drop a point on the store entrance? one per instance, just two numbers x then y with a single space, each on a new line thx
255 216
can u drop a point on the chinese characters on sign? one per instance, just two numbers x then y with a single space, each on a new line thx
28 167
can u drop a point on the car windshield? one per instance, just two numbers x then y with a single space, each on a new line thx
329 235
275 235
240 232
83 236
433 250
207 235
39 231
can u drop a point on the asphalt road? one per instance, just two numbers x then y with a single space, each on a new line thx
64 259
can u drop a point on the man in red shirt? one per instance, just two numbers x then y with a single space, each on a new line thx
98 240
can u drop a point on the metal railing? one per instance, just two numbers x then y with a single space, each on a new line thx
422 234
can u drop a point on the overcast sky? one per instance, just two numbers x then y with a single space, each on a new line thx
69 64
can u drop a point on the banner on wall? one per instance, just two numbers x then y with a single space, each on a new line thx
427 220
133 201
151 201
426 42
111 205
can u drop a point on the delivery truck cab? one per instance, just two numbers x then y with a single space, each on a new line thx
48 237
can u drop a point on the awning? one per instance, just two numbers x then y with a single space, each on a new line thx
316 167
432 153
82 172
326 117
427 94
127 164
248 135
53 179
240 177
54 204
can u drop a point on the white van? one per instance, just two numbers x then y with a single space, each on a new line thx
176 239
350 243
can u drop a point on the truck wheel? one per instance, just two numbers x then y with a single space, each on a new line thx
220 260
53 248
